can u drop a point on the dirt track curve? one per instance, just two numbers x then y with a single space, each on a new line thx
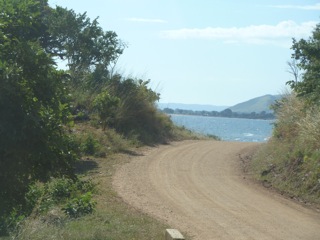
198 188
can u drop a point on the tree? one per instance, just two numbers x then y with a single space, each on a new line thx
294 70
307 55
90 54
34 108
85 46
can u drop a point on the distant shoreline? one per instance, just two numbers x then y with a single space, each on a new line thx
227 113
180 114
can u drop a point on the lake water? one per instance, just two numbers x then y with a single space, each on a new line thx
228 129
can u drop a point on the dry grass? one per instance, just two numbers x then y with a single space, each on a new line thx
290 161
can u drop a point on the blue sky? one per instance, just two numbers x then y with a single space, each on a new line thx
217 52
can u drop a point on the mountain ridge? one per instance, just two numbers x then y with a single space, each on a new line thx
257 104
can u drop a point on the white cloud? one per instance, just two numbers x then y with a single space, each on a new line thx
280 34
146 20
301 7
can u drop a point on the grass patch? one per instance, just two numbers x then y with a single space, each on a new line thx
112 219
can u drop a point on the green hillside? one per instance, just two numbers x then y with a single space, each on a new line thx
257 105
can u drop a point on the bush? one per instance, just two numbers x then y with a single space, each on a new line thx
90 146
9 222
42 197
80 206
137 116
106 106
34 104
33 196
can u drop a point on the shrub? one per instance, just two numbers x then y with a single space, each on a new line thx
33 196
59 188
11 221
106 106
90 146
137 116
80 206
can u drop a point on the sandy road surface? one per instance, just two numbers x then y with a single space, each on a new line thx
198 187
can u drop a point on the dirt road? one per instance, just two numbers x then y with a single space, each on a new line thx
198 188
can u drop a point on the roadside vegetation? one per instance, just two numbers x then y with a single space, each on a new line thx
63 132
290 161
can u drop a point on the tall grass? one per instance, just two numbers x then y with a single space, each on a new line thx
290 161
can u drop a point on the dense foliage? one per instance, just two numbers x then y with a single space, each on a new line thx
137 115
89 51
291 159
39 103
33 103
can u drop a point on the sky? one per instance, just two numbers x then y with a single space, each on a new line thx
216 52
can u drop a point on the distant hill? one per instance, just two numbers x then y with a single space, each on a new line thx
257 105
193 107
